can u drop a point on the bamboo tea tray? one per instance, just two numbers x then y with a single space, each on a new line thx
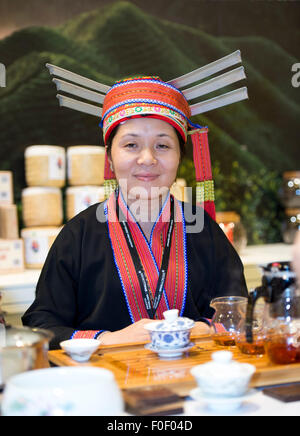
134 366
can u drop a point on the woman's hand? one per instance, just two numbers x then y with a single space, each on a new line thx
137 333
296 256
133 333
200 328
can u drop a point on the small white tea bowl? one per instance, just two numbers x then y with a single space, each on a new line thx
171 333
64 391
80 349
223 377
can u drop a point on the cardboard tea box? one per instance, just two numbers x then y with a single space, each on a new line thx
9 225
37 243
6 187
11 255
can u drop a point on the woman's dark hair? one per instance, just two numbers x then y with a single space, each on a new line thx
180 139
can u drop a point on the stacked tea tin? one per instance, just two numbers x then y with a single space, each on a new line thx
42 201
85 178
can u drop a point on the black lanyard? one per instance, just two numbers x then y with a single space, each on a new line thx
146 292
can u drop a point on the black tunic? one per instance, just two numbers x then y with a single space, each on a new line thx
79 286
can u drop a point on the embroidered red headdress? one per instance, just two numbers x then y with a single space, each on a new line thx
168 101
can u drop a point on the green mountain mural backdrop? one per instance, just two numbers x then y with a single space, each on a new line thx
252 142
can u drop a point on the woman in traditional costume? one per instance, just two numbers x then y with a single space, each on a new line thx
125 261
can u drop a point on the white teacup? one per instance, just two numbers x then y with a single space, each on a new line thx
80 349
65 391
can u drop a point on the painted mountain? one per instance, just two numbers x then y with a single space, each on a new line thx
252 142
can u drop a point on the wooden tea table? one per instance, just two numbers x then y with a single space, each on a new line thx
134 366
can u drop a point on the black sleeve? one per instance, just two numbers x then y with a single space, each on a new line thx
55 305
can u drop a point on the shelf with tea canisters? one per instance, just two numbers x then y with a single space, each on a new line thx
55 176
85 168
42 201
18 290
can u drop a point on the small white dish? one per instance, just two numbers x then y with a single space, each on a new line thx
168 354
220 404
80 349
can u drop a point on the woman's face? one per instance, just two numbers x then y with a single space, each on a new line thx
145 155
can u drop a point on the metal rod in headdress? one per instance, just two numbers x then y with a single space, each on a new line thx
92 91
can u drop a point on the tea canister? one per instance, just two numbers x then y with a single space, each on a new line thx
37 243
291 225
290 191
85 165
45 165
42 207
230 223
79 198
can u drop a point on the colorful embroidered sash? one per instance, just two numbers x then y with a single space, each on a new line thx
150 254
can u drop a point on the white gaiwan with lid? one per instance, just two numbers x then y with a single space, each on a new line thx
171 333
223 376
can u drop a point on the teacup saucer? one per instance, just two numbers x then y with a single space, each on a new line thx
220 404
174 353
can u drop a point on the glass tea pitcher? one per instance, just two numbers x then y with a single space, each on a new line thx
257 346
282 313
229 317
